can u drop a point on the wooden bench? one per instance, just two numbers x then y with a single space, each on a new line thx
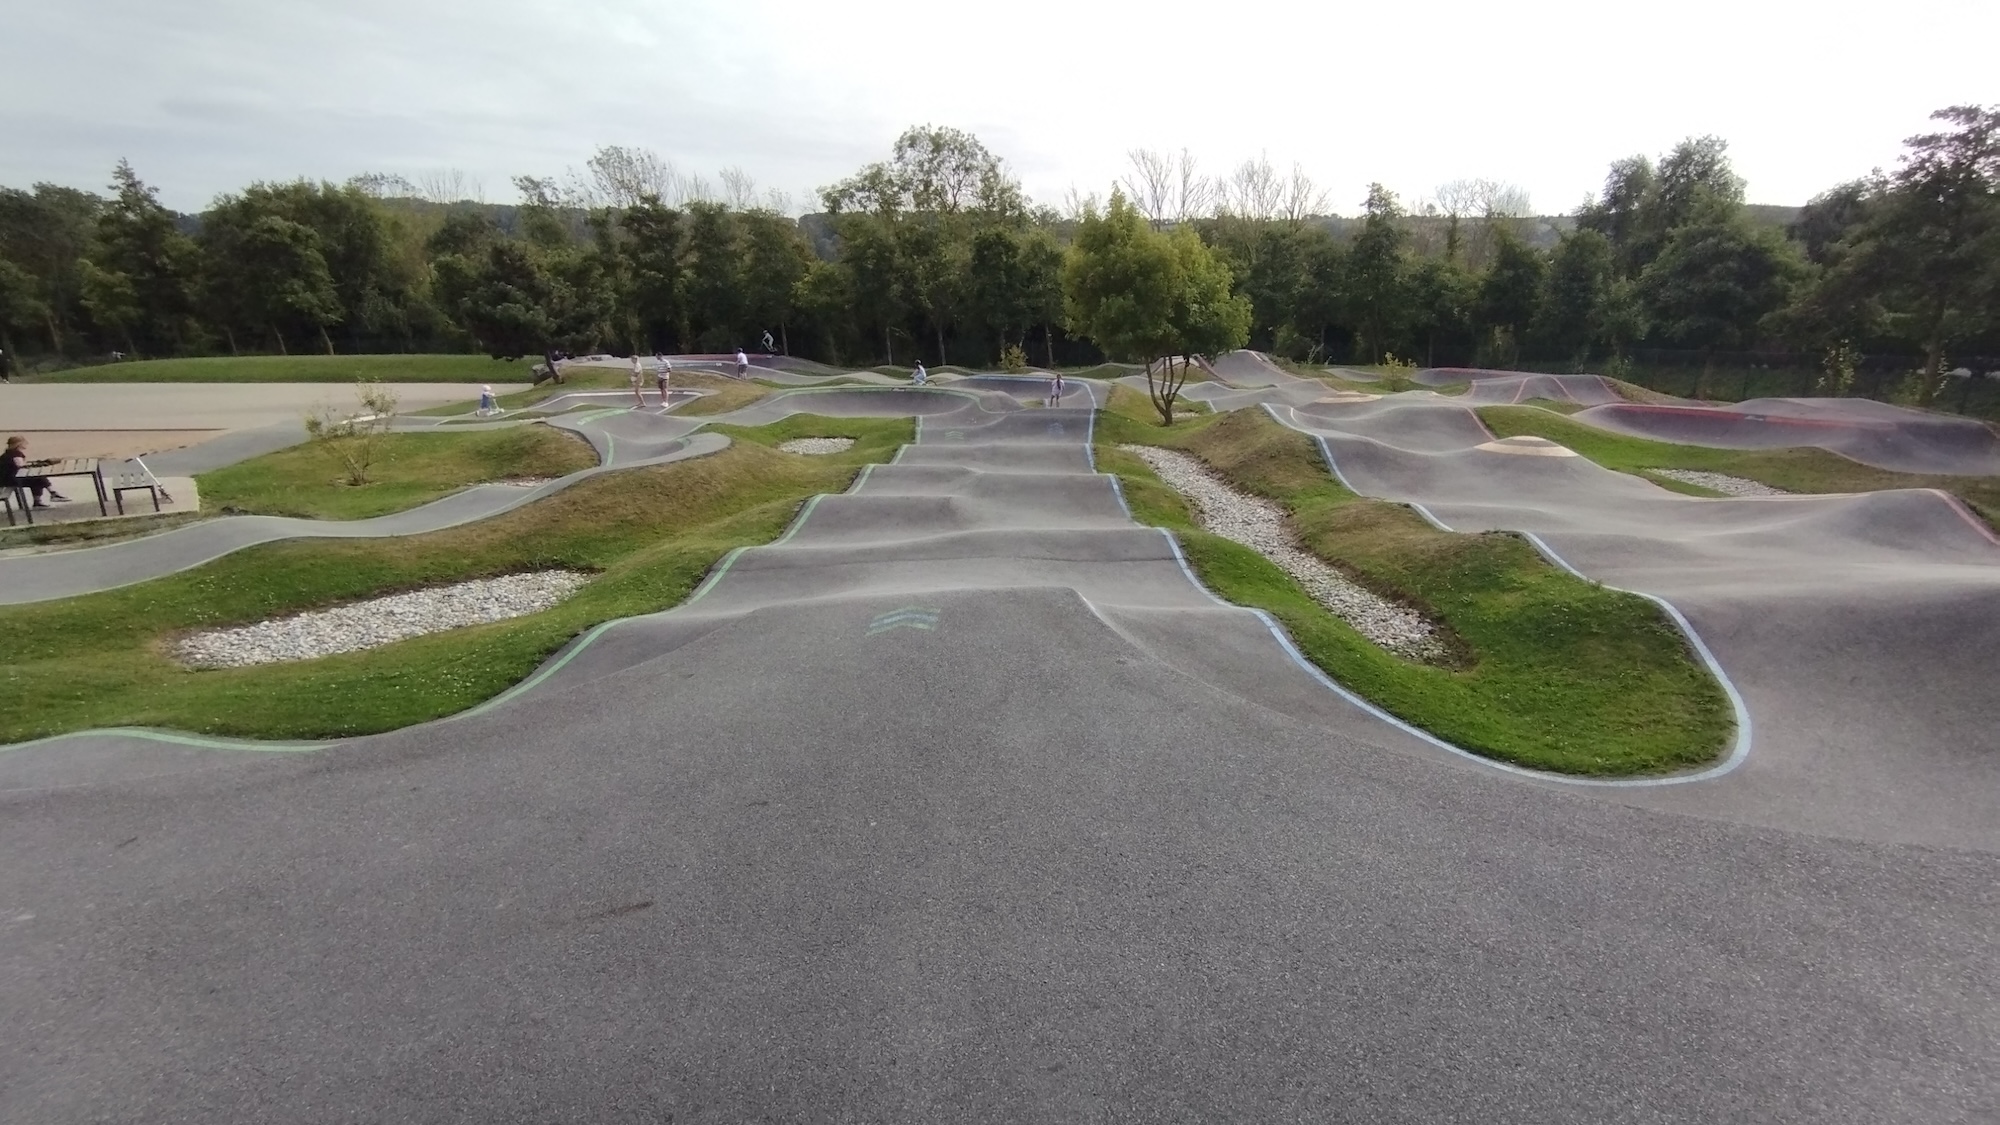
133 476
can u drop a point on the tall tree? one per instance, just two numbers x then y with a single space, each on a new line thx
1931 240
712 278
1576 316
138 242
47 234
654 292
1375 288
1509 295
1621 213
1716 280
775 259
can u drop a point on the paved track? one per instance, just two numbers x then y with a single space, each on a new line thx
623 439
1856 627
962 801
1873 433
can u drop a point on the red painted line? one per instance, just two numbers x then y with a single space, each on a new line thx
1735 417
1966 514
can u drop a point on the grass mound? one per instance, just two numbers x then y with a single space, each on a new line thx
409 470
301 369
1804 469
1553 672
649 534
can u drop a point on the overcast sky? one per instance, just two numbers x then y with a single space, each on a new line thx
205 96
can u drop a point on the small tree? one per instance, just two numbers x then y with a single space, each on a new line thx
1163 299
352 440
1206 319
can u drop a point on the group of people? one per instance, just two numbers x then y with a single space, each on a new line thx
663 374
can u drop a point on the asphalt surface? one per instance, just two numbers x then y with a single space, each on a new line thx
622 437
1873 433
962 801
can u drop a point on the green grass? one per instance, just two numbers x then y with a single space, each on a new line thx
1550 671
408 470
301 369
92 532
649 534
1390 381
1804 469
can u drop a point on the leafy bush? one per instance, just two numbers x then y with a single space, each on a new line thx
351 440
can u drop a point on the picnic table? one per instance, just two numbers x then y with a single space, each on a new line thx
90 467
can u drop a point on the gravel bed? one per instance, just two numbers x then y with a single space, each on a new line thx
1260 525
817 445
380 621
1720 482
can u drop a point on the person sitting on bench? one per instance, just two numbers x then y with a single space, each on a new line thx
12 464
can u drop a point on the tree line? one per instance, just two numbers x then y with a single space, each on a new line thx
935 253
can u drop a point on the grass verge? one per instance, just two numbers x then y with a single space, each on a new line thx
649 534
1557 673
93 532
409 469
1803 469
301 369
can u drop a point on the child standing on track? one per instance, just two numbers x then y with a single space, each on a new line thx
1055 388
742 364
638 381
661 375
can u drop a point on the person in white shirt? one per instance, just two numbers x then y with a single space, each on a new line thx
1055 388
742 364
661 375
638 380
920 376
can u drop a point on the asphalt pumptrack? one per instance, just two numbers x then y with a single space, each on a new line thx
964 800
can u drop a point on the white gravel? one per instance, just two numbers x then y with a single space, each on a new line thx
380 621
817 445
1260 525
1720 482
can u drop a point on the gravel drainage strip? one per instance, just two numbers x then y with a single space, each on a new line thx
1258 524
379 621
817 445
1720 482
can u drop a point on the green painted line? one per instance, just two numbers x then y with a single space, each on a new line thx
192 740
799 521
543 673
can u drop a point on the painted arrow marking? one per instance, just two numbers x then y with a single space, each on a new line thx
908 617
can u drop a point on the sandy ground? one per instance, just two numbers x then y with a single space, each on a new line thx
128 419
181 496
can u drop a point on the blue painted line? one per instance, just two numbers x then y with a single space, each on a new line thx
1739 752
1118 490
1442 526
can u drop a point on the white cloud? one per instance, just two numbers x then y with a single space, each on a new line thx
207 95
